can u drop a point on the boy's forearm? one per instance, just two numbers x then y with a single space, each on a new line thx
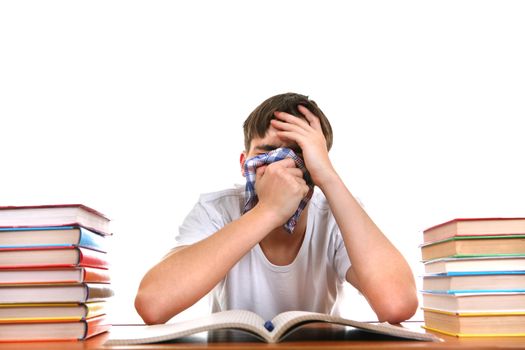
377 266
188 274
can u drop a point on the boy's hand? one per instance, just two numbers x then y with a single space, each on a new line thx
280 187
309 136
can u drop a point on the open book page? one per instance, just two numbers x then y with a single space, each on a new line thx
251 322
287 321
231 319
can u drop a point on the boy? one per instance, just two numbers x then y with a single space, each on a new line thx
234 243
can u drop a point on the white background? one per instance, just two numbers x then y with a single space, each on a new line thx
135 108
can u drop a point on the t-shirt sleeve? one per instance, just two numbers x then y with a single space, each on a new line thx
197 225
341 261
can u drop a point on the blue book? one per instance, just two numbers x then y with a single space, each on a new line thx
493 281
478 273
474 291
52 236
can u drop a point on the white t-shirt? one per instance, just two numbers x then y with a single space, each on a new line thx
310 283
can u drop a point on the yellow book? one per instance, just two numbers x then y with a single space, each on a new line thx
56 312
475 324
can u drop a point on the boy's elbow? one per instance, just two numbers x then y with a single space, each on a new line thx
145 310
398 308
149 309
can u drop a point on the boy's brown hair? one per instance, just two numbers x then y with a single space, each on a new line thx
258 122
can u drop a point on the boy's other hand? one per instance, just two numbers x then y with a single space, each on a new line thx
308 135
280 188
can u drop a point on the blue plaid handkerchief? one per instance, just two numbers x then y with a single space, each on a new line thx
250 167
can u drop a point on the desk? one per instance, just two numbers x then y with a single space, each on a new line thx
312 336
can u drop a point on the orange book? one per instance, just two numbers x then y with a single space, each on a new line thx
52 331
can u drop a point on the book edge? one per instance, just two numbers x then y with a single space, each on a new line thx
470 219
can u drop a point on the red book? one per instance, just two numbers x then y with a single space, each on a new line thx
32 257
54 215
52 331
474 227
54 275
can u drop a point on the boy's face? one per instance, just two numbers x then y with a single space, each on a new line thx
268 143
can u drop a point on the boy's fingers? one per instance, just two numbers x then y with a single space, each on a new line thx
295 172
289 118
312 118
291 136
306 189
284 126
286 163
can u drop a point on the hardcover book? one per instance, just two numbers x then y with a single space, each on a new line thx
54 293
474 227
51 236
469 246
54 275
476 264
482 324
18 313
475 302
509 281
51 257
48 331
54 215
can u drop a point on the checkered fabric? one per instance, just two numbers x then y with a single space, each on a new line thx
250 167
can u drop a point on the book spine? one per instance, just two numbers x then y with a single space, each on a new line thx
97 291
92 258
95 326
94 309
92 240
95 275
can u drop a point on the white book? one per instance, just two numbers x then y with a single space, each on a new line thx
270 331
54 293
54 215
476 264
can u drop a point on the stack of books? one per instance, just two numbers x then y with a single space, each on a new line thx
54 277
474 282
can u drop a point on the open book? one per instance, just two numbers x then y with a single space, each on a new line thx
270 331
